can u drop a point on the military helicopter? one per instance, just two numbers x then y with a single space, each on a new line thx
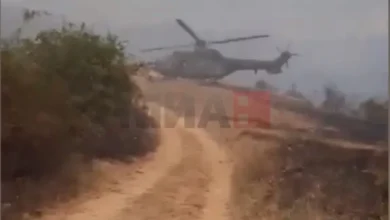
204 63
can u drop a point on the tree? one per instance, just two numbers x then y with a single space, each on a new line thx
375 111
263 85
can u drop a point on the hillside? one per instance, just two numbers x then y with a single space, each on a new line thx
85 136
301 167
295 168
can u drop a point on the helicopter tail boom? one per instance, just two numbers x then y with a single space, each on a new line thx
247 64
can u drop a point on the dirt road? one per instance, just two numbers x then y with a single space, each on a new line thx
187 178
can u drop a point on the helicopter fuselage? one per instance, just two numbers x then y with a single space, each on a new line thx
198 64
206 63
209 64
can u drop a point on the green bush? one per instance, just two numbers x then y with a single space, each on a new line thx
62 84
67 92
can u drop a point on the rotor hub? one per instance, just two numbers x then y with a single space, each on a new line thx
201 44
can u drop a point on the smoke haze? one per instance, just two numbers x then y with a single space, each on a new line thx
339 41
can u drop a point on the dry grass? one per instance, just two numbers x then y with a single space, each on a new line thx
310 168
27 197
297 178
300 169
308 165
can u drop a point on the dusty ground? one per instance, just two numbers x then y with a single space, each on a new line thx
187 178
216 173
297 168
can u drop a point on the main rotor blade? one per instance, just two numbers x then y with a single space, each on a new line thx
166 48
238 39
188 30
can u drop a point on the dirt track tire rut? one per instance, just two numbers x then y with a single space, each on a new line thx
187 178
178 195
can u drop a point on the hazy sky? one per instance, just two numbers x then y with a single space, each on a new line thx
339 37
299 18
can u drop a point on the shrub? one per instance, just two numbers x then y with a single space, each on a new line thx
67 92
374 111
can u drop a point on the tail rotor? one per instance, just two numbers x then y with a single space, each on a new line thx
285 55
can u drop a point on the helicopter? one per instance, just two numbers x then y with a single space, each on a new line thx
204 63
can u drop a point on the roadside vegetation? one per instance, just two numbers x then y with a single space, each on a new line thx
282 173
68 99
298 178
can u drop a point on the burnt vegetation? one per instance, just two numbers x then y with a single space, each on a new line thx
67 99
304 178
367 124
284 172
